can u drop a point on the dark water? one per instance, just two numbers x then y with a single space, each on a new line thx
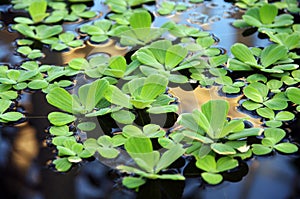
25 171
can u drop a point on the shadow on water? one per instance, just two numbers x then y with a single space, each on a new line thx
26 172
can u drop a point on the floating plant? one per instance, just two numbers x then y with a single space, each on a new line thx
128 88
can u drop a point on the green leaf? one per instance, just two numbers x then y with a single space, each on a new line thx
138 145
251 21
60 131
163 109
108 152
123 117
140 19
226 163
64 151
37 10
62 164
242 52
61 99
152 88
275 133
197 136
272 53
222 149
207 163
133 182
286 147
284 116
267 13
216 112
187 120
245 133
259 149
256 92
266 112
169 157
293 94
60 119
132 131
276 104
116 96
4 105
38 84
250 105
11 116
86 126
174 55
212 178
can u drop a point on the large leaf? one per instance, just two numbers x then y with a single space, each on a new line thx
256 92
174 55
293 94
226 163
207 163
216 113
61 99
169 157
154 85
138 145
267 13
116 96
91 94
242 52
37 10
272 53
159 49
140 19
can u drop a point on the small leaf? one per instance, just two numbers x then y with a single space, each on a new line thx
174 55
259 149
86 126
123 117
212 178
169 157
226 163
60 119
62 164
133 182
284 116
245 133
222 149
286 147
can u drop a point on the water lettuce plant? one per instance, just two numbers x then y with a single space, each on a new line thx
272 59
272 137
149 162
209 127
265 18
126 89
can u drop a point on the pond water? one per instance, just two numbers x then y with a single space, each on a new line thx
25 158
